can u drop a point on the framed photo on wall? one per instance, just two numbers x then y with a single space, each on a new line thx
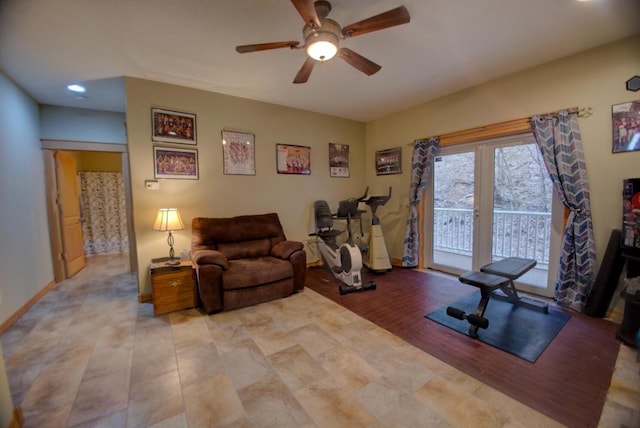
389 161
173 127
293 159
238 153
175 163
338 160
626 127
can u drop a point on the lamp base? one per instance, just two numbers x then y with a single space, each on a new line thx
173 262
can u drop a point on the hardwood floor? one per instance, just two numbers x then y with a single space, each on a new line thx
568 382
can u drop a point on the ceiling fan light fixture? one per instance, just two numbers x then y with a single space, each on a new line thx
322 45
322 37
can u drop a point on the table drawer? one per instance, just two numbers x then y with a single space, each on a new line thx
173 291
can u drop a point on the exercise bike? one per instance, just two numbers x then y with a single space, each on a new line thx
345 260
377 259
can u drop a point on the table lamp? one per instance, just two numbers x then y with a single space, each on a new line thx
167 220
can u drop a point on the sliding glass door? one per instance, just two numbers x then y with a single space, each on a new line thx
453 210
491 200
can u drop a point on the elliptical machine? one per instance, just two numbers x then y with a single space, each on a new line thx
345 260
377 259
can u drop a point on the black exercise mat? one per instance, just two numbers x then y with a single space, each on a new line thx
520 331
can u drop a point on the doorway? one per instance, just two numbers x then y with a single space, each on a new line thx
100 154
490 200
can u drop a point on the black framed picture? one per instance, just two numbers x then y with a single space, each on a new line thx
338 160
626 127
173 127
293 159
389 161
175 163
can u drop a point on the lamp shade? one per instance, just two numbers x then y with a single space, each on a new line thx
168 219
322 46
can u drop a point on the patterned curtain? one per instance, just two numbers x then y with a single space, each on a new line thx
102 204
558 138
421 163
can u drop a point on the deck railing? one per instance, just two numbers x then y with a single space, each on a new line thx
515 233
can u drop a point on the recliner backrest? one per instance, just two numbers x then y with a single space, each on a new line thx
237 237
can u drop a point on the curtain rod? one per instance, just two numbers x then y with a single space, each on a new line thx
499 129
580 111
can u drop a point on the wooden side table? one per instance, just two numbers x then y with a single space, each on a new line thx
173 287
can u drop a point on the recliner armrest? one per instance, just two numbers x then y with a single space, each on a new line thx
284 249
208 257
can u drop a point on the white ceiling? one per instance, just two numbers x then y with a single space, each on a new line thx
449 45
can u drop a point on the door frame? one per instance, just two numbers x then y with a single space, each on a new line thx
483 212
55 234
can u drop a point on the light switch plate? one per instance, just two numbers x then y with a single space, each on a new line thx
152 184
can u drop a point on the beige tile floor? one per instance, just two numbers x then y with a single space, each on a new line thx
89 355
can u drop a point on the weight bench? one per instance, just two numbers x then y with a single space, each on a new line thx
496 280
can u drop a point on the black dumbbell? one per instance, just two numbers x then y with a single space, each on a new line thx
473 319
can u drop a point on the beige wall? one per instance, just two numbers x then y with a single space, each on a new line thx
99 161
595 78
219 195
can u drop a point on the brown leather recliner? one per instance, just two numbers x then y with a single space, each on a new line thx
245 260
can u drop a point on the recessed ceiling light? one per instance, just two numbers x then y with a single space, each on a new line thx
77 88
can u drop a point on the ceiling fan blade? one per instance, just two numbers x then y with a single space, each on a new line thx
368 67
305 71
266 46
390 18
307 11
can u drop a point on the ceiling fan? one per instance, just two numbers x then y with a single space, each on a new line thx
322 36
